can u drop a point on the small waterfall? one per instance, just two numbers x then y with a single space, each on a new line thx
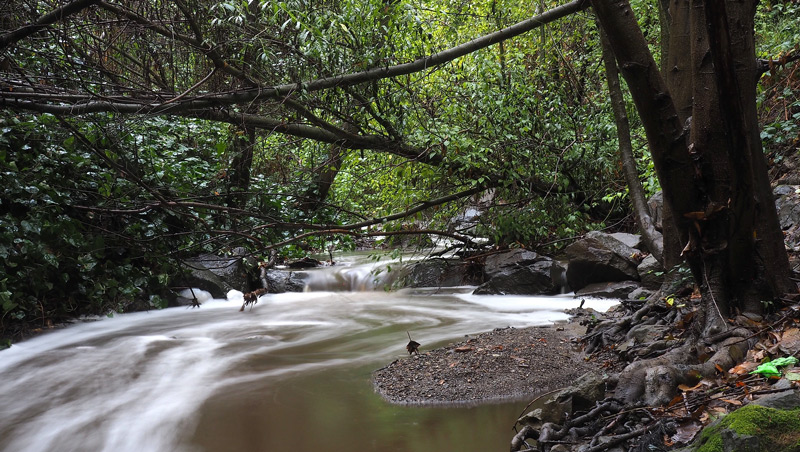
350 277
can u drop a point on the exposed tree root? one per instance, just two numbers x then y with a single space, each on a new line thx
667 344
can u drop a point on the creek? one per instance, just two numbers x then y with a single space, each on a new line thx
290 374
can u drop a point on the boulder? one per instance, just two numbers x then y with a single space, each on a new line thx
443 273
599 257
640 294
521 272
620 290
516 258
218 274
632 240
533 279
751 428
785 400
787 203
280 281
651 273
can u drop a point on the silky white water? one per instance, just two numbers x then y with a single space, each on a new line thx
290 374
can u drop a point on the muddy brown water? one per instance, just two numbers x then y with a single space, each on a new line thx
292 374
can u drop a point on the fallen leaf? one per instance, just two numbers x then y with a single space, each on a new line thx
790 341
464 349
686 432
686 388
792 376
732 402
744 368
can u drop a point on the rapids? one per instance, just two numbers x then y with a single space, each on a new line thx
290 374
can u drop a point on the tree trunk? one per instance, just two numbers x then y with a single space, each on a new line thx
239 178
324 178
651 237
714 186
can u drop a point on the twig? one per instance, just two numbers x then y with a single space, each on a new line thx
614 440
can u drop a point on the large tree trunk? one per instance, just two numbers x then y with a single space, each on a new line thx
713 186
704 140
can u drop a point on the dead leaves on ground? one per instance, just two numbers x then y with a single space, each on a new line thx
711 398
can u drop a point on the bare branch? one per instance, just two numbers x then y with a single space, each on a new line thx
44 21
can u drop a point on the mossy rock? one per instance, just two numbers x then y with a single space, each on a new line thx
775 430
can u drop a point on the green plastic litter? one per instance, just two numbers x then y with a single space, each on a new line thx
770 369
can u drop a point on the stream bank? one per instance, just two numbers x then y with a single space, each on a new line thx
504 364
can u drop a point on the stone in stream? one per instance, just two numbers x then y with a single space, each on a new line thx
600 258
521 272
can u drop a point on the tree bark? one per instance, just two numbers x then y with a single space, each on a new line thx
652 238
713 183
44 21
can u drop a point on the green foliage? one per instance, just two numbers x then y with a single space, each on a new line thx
777 34
59 257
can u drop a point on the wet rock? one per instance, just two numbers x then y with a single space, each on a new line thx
280 281
521 272
599 257
443 273
632 240
619 290
651 273
306 262
217 274
500 262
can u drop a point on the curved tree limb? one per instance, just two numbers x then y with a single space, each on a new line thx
44 21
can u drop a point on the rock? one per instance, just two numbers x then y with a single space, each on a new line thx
656 206
640 294
281 281
787 203
599 257
619 290
443 273
584 393
651 273
527 277
497 263
787 400
661 385
751 428
201 277
740 443
218 274
306 262
632 240
642 333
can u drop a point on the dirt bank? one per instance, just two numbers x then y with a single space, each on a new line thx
503 364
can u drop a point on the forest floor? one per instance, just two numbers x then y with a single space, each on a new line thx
504 364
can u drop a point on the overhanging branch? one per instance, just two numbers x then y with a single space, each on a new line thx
50 18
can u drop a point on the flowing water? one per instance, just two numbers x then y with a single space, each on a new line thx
291 374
